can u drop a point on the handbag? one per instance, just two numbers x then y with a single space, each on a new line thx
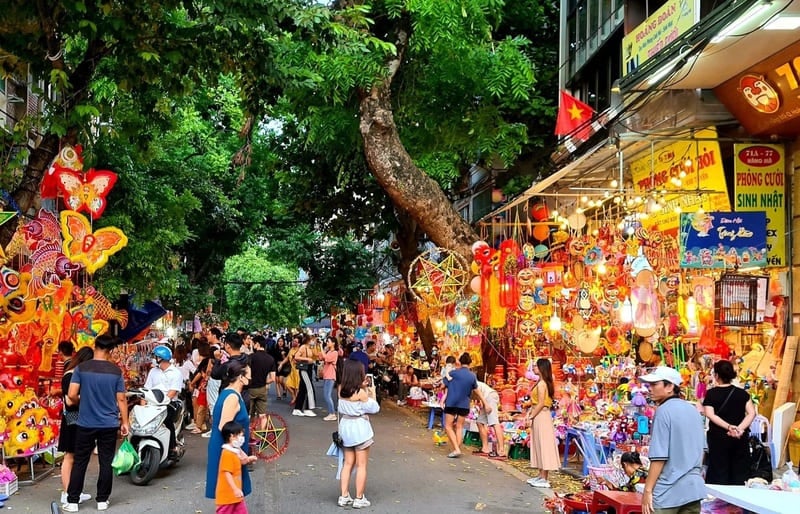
337 439
71 417
303 366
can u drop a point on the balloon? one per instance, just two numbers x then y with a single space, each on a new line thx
541 251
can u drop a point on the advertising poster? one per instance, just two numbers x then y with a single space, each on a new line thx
723 240
702 185
663 27
760 177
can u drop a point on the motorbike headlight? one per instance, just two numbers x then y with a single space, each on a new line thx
150 427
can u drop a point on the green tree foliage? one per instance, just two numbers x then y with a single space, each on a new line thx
259 292
339 269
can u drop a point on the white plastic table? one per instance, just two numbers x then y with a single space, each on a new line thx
761 501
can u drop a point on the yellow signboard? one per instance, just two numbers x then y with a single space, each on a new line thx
760 185
662 28
693 168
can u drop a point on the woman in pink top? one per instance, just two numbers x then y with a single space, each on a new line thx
330 357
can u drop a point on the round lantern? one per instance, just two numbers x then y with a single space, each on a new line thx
498 196
539 211
475 285
541 232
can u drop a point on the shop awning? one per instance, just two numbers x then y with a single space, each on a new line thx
734 37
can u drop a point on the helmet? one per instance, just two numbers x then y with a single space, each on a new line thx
162 353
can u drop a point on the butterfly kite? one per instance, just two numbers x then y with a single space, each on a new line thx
92 249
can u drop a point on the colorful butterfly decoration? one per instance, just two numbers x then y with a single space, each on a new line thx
86 191
69 158
92 249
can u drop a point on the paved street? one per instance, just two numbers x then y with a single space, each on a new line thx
407 473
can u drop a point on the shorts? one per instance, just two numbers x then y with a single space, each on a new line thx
232 508
455 411
490 419
258 401
67 437
363 446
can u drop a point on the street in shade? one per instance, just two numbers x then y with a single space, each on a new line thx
407 473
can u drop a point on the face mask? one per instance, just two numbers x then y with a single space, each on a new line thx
238 441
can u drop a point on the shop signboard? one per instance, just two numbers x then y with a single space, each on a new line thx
660 29
759 182
766 97
702 182
723 240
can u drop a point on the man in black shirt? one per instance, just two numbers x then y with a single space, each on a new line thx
262 366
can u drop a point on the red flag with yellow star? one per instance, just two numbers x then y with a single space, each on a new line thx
572 113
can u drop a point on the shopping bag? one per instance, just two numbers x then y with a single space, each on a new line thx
125 459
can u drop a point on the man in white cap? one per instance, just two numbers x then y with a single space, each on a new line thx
674 484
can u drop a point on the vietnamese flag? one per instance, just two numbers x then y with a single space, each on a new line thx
572 113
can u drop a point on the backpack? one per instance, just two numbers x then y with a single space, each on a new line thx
760 463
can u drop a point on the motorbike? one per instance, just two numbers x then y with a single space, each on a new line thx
150 437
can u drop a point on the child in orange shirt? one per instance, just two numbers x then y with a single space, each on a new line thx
229 495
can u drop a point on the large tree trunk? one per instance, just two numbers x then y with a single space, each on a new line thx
409 188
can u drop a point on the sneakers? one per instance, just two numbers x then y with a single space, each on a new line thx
401 402
84 497
538 482
298 412
191 426
360 503
329 417
102 505
69 507
310 413
344 501
206 434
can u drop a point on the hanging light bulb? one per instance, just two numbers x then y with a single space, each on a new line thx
614 183
461 318
626 312
555 215
688 163
555 322
584 198
601 268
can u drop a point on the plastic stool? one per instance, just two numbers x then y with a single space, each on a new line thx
432 416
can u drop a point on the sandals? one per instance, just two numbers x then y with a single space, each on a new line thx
496 456
453 455
480 453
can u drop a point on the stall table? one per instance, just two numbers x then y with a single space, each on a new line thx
762 501
621 502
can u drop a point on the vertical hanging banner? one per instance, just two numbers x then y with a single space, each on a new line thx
666 163
760 178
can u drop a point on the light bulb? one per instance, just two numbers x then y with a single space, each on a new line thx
584 198
688 162
626 312
590 204
601 268
617 199
461 318
555 323
614 183
555 215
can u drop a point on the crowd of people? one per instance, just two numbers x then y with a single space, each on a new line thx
224 379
